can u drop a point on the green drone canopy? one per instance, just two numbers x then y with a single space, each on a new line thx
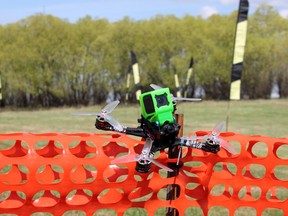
157 106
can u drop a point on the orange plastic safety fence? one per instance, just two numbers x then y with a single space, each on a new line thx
56 173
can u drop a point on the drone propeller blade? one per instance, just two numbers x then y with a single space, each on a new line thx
160 165
126 159
147 147
110 107
186 99
116 125
155 87
226 145
135 157
106 110
104 114
223 143
143 156
218 128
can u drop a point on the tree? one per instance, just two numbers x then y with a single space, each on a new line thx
47 61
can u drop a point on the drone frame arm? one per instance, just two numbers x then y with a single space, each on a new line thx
134 131
184 141
193 143
126 130
106 126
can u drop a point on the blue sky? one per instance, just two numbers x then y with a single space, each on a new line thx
113 10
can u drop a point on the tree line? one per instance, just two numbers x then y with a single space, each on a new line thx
47 61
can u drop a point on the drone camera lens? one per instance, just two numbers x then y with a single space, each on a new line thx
161 100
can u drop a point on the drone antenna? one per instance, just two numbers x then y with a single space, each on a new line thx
238 54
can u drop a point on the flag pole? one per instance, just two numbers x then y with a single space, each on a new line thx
238 55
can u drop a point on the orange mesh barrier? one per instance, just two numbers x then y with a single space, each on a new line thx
56 173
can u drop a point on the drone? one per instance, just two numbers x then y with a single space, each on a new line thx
159 128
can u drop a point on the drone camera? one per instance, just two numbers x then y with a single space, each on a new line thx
157 106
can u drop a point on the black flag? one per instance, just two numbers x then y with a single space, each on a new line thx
189 74
239 49
128 84
136 74
177 84
0 90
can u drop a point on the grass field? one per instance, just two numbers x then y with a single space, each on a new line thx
265 117
262 117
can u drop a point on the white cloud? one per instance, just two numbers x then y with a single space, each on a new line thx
208 11
228 2
278 3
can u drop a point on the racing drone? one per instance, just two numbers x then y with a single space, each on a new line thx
159 128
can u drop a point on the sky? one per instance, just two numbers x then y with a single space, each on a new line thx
113 10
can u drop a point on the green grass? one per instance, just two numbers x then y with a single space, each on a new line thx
264 117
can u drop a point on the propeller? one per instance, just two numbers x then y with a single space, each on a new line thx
174 99
104 114
144 156
214 138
